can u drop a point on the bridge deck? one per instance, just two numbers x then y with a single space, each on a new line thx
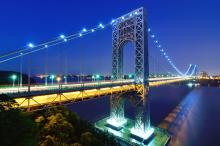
72 96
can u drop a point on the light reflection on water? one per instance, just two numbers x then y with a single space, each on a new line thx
196 123
191 116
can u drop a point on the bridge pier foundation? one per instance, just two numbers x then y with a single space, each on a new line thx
117 118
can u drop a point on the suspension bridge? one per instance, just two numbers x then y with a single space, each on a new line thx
131 27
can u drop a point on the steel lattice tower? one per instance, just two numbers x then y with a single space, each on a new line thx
131 27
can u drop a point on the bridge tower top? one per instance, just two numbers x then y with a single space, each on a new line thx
131 27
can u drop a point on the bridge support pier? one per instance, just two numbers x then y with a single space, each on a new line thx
142 127
117 118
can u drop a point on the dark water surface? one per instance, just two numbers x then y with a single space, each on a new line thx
195 124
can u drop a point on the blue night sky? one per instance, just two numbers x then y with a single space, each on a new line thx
188 29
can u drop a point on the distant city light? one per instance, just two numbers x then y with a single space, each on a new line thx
190 85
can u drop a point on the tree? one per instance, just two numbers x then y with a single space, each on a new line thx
61 127
6 102
16 127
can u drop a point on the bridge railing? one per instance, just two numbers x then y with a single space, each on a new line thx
42 90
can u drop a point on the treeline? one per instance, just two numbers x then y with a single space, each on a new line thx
56 126
6 78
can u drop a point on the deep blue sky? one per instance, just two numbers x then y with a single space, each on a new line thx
189 30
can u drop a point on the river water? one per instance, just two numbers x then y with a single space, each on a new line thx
190 115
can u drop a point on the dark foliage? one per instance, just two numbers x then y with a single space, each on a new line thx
16 128
59 126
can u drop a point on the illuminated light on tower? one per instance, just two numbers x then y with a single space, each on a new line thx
101 25
117 123
113 21
149 29
80 35
123 17
92 30
46 46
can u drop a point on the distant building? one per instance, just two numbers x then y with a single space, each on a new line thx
204 74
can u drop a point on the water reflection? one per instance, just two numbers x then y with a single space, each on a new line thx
190 115
187 122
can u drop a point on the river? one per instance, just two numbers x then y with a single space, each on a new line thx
190 115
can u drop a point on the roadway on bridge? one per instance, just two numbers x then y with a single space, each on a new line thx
18 89
52 99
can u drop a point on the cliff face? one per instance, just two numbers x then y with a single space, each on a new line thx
5 78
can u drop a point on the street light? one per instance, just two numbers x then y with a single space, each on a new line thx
21 62
58 79
13 77
130 76
93 78
65 79
52 78
97 76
